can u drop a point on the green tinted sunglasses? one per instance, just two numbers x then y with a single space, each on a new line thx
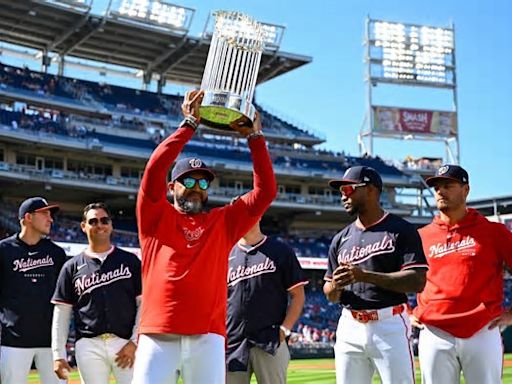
190 182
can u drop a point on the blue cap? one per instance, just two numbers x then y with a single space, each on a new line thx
35 204
358 175
190 164
451 172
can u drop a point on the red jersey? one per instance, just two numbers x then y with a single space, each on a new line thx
464 289
184 256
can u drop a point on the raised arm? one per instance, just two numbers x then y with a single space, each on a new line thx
264 180
153 187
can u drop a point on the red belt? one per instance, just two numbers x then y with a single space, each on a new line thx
366 316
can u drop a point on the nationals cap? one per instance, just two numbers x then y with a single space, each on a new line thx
451 172
190 164
357 175
35 204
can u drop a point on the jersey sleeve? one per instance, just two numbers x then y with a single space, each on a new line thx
332 261
64 292
2 278
153 187
247 210
61 257
413 255
137 277
293 274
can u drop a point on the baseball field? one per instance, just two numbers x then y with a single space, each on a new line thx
320 371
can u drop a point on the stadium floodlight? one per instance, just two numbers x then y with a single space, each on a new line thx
154 12
411 53
273 34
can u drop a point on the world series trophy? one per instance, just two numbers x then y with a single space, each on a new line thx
231 71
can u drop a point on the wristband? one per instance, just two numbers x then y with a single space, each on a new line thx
191 121
286 331
254 135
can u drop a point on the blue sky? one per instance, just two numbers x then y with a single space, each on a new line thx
329 94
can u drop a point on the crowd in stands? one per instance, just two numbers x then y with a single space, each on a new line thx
423 163
132 105
319 319
114 98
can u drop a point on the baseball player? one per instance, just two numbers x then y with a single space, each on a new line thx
263 273
29 266
102 287
372 263
185 250
460 309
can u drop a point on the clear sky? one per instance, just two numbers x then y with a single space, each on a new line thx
329 94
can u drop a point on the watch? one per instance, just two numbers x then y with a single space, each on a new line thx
286 331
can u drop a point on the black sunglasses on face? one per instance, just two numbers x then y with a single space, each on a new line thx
103 220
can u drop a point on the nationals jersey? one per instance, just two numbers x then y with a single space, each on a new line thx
390 245
185 256
259 278
464 289
27 280
102 294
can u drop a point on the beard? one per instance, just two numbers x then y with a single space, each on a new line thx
191 207
351 209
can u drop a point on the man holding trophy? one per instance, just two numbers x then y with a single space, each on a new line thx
185 246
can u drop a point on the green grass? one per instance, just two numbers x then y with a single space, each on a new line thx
297 374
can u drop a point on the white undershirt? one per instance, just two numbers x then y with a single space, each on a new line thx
99 255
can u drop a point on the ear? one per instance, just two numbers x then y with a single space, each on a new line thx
466 190
26 219
82 225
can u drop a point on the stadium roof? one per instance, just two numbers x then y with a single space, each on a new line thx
499 205
68 28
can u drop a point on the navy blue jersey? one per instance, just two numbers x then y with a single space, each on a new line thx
390 245
102 294
28 274
259 278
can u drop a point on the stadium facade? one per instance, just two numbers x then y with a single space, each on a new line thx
76 141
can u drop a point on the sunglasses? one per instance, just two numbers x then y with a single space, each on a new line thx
348 190
190 182
103 220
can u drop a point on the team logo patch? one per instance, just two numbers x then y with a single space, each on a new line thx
195 163
24 265
193 235
443 170
246 272
87 283
357 254
466 245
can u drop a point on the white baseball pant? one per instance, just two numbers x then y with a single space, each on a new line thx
95 358
382 344
443 356
161 358
15 364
